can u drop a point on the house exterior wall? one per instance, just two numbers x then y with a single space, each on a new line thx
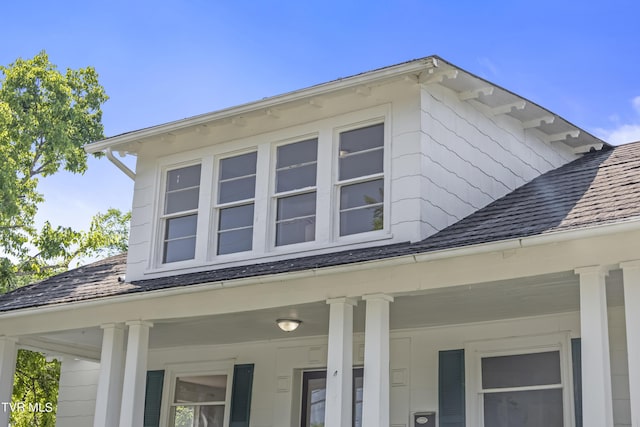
470 157
413 370
444 159
77 393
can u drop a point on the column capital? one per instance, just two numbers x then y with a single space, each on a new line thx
5 338
342 300
139 323
600 270
630 265
380 297
112 326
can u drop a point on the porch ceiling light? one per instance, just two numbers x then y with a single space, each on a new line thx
288 325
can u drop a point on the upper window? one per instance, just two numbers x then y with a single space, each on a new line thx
361 180
180 214
296 167
236 195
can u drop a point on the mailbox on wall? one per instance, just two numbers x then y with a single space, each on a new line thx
424 419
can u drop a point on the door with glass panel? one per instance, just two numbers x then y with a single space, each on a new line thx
314 387
199 401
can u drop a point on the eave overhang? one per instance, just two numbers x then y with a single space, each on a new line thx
491 98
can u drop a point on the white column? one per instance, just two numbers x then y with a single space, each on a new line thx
339 395
135 374
631 277
597 408
8 355
375 399
109 394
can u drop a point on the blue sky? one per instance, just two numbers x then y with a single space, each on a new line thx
165 60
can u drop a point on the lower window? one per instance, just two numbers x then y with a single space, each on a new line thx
314 387
199 401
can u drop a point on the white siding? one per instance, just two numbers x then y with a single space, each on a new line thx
77 393
470 158
414 364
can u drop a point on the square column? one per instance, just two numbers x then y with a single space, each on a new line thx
339 395
597 406
375 399
135 374
109 394
8 356
631 278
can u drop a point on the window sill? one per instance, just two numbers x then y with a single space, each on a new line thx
298 250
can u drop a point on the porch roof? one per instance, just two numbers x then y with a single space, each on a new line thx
600 188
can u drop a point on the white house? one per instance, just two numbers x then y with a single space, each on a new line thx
457 256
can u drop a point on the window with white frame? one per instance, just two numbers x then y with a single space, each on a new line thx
521 382
199 401
361 180
295 192
235 203
180 213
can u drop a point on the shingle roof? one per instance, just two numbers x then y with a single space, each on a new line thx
600 188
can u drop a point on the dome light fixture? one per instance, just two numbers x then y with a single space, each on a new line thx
288 325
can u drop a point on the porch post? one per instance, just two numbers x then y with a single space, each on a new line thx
339 397
109 394
8 355
597 410
631 278
375 400
135 374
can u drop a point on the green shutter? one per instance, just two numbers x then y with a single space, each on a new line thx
576 359
153 398
241 395
451 388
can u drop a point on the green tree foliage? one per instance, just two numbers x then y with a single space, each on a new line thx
36 387
46 116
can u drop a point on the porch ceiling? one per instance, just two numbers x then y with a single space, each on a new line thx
555 293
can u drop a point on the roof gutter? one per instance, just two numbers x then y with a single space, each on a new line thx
131 174
504 245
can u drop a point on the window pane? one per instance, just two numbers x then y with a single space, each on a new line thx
182 200
198 416
532 408
296 206
236 217
358 389
362 164
296 231
179 250
235 241
237 166
315 400
201 388
362 139
294 178
361 220
521 370
300 152
362 194
238 189
183 226
183 178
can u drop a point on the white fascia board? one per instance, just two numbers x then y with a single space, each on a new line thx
483 248
416 66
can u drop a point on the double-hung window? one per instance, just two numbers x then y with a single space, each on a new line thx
361 180
522 390
199 401
296 169
180 214
236 197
